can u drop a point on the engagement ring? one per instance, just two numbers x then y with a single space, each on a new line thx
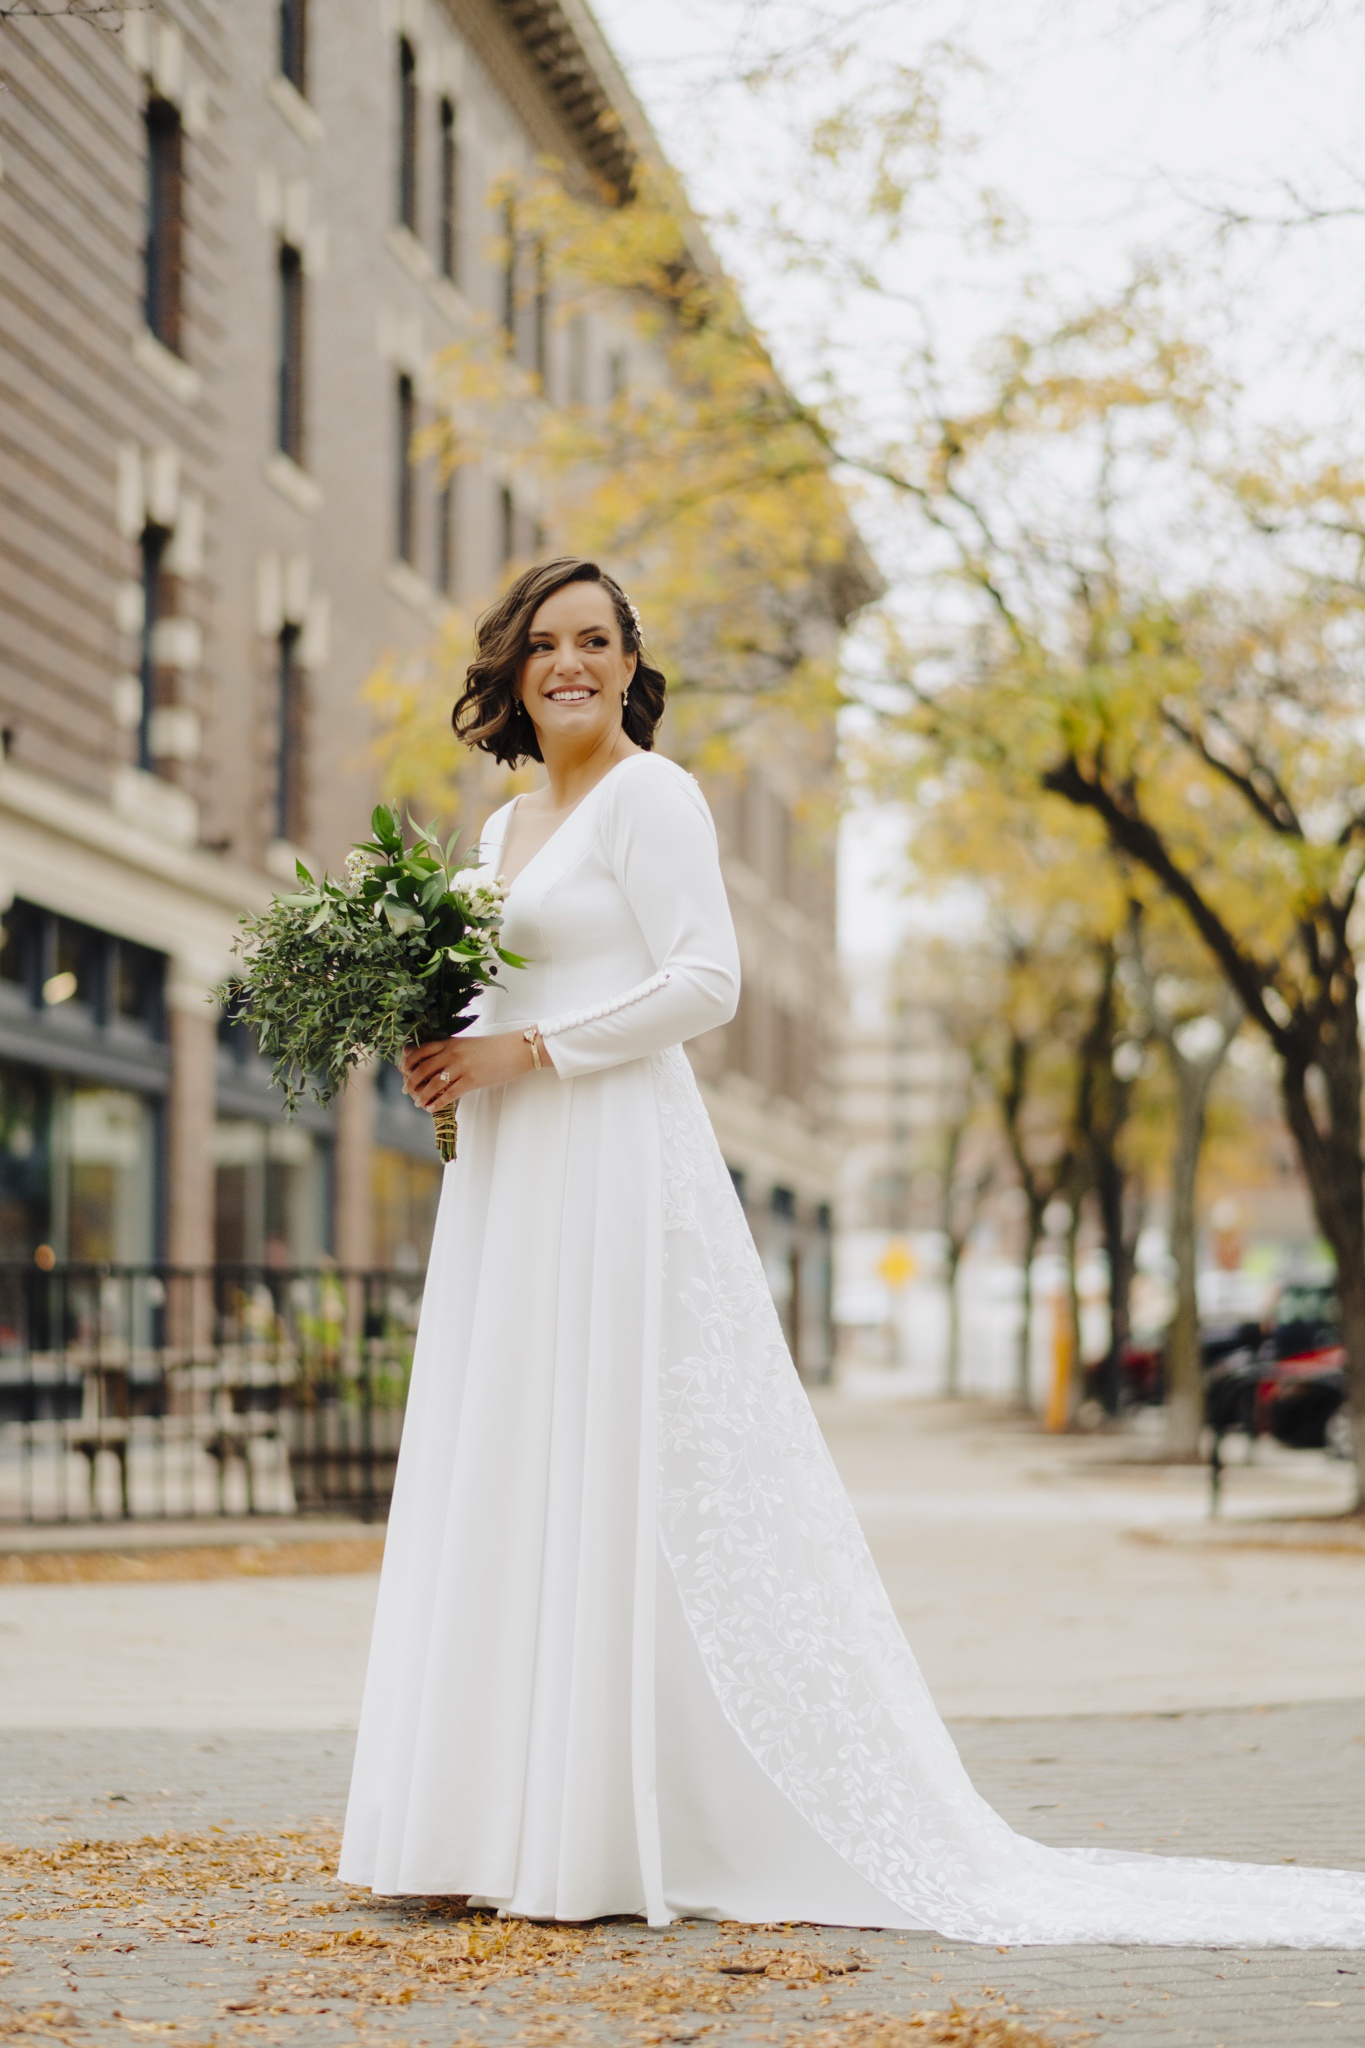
443 1075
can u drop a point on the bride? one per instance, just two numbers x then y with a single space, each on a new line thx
631 1653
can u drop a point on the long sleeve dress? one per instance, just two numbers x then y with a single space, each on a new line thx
631 1653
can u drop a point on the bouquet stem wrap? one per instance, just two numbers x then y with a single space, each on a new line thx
446 1132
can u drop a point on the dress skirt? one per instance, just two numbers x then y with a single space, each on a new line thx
631 1652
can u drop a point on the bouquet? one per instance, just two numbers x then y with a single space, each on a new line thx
342 972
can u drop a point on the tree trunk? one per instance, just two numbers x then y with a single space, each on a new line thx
1184 1370
1331 1153
953 1385
1194 1079
1102 1106
1073 1313
1110 1192
1023 1369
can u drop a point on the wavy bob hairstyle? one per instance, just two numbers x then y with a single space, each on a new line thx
489 712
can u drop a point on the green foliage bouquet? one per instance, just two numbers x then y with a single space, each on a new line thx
342 972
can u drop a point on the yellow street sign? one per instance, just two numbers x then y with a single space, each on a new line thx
896 1265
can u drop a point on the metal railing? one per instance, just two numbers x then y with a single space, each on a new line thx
170 1392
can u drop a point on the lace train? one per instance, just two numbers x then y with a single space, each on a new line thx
810 1665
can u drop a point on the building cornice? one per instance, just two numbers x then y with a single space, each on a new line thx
180 900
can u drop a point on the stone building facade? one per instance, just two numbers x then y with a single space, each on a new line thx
235 232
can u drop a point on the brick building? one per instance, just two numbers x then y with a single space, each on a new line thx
234 233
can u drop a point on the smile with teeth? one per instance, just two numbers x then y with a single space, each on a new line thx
569 693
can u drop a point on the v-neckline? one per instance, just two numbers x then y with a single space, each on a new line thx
549 841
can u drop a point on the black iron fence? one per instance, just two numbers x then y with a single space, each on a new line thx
162 1391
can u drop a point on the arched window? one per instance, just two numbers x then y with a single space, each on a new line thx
290 394
407 135
289 812
294 43
405 522
449 188
164 253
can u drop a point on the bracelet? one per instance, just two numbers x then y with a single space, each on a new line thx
532 1034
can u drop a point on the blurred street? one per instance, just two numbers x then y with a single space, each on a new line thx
1033 1574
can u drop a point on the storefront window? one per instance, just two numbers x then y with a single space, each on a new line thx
25 1159
406 1191
271 1194
77 1169
104 1166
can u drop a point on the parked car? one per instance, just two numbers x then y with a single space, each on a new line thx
1292 1387
1299 1401
1142 1360
1142 1373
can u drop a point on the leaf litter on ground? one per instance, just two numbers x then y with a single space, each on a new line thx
319 1943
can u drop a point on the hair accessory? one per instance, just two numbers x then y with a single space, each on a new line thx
639 622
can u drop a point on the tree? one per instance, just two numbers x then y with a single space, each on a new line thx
965 1169
1212 729
1138 616
1195 1024
699 481
699 478
1043 1017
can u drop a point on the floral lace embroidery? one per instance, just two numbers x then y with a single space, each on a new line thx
808 1660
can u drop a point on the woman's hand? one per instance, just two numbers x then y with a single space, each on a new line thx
448 1068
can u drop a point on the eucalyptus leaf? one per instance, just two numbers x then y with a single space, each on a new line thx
341 972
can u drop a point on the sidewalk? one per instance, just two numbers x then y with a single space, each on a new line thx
1034 1576
236 1937
1109 1680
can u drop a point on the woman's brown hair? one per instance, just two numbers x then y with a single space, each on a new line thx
489 712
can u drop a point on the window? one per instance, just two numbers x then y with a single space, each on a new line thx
271 1194
138 988
448 186
445 538
25 1161
294 43
77 1169
578 360
540 336
289 819
407 135
509 275
104 1156
164 254
52 964
289 396
405 536
76 971
405 1193
156 605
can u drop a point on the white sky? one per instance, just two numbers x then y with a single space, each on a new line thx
1113 126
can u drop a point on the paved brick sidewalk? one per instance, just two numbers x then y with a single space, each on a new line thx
254 1949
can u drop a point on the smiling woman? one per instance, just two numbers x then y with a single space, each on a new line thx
560 677
493 713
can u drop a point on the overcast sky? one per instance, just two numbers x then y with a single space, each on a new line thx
1113 126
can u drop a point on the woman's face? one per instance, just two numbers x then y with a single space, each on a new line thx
576 671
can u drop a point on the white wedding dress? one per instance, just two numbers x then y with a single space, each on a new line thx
631 1652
